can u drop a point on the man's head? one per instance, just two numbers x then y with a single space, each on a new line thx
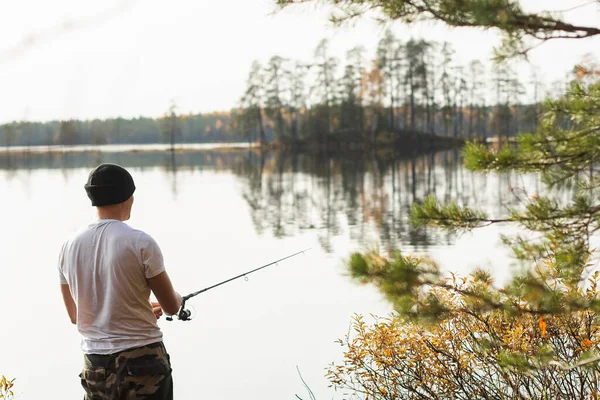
110 188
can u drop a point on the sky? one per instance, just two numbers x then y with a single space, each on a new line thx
129 58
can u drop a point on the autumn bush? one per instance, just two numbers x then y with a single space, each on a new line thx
469 354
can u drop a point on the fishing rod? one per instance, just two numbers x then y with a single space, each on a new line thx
185 315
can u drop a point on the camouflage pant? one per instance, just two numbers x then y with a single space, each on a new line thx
134 374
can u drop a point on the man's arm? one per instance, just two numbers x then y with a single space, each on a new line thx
169 299
69 303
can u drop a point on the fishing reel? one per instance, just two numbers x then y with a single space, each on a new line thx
183 315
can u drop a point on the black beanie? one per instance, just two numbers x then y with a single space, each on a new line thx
109 184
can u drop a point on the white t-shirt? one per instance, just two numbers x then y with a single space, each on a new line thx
106 266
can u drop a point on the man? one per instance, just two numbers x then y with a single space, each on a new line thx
107 272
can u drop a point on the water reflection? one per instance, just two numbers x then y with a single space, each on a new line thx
358 195
367 194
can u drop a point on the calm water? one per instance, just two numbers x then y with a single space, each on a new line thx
215 215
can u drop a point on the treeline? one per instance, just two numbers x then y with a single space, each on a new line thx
411 86
172 127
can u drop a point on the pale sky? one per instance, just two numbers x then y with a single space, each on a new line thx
133 60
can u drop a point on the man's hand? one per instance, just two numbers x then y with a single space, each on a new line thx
156 309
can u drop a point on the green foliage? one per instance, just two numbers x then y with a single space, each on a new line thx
479 158
449 215
565 146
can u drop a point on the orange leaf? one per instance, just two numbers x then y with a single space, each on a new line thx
542 324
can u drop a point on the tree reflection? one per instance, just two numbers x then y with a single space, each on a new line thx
170 166
367 194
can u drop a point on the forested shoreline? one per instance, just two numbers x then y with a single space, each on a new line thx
412 86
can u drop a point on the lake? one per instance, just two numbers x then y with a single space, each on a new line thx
217 214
